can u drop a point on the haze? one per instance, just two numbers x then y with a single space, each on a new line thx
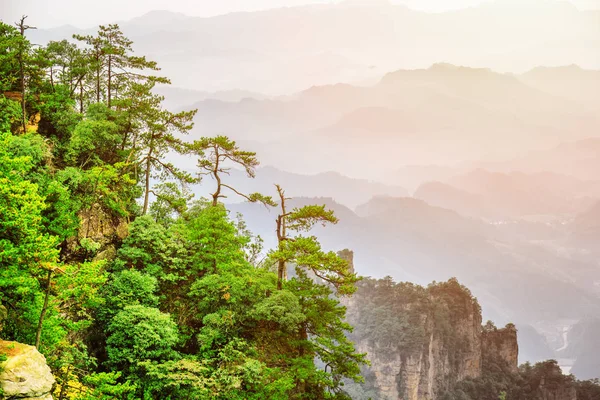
87 13
452 138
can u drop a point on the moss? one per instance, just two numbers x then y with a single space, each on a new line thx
7 350
11 349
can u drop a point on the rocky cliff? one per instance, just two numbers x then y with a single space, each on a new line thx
24 375
422 341
500 345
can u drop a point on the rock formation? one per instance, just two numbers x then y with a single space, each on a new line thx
501 344
25 374
426 342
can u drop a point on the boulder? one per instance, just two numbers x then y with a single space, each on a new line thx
25 374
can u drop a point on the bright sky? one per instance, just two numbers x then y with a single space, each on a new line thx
88 13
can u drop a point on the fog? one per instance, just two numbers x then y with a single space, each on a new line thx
450 141
87 13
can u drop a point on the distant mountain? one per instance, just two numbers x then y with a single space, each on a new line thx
178 98
532 345
579 158
570 82
479 85
411 113
157 19
500 195
410 240
287 49
442 195
413 176
585 339
586 228
344 190
514 196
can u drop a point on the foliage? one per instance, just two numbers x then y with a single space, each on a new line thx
10 115
139 333
133 289
216 155
25 247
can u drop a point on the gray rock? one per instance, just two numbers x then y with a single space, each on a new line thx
25 374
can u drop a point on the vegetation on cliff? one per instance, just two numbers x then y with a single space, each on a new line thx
532 382
403 324
130 298
134 289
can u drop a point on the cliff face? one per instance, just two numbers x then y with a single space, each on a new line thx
24 375
500 344
426 341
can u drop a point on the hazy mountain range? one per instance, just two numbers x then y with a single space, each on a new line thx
349 105
500 196
443 115
515 277
347 191
282 50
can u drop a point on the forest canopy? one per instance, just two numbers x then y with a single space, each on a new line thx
130 286
134 288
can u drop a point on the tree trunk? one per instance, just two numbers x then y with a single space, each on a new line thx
22 28
81 96
147 182
217 193
281 237
22 88
24 112
109 79
98 78
280 274
38 333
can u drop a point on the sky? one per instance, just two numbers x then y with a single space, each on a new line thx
88 13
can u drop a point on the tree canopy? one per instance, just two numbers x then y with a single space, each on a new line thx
129 285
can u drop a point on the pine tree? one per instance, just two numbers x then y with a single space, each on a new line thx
320 277
216 156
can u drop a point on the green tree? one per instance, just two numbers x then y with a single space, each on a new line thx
216 155
140 334
320 277
13 54
126 288
96 140
23 50
171 201
67 66
146 248
157 139
306 251
26 251
11 43
113 64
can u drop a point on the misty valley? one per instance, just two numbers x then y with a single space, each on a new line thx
308 200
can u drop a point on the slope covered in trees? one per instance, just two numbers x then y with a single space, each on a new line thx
428 343
130 298
133 289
